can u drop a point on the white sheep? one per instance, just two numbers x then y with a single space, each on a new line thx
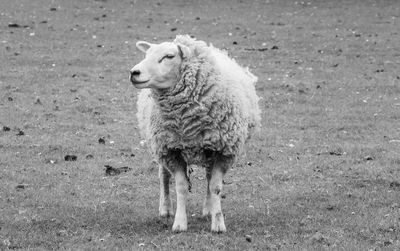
197 106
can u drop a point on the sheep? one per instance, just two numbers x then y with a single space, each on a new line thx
197 107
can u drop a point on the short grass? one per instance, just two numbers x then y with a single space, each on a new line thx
322 173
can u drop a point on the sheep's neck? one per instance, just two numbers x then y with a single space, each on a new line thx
184 92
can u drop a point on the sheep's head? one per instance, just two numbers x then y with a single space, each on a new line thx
160 69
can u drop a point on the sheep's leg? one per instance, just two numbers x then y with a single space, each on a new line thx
165 208
207 200
181 182
215 187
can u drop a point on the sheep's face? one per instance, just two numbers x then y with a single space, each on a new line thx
160 67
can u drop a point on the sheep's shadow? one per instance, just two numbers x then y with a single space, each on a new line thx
127 221
238 224
156 225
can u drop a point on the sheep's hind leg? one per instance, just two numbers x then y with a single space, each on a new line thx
165 208
217 218
207 200
181 181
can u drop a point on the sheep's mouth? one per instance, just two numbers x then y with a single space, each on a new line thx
138 83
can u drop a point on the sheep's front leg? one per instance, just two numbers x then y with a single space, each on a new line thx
207 200
181 182
215 187
165 208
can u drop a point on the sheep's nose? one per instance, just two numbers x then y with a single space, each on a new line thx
135 72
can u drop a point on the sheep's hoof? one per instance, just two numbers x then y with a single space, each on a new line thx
218 224
179 227
218 229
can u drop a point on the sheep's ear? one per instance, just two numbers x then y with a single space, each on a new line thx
143 45
184 51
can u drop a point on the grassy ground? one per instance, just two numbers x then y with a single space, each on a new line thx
323 173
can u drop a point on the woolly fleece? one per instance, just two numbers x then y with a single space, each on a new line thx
211 111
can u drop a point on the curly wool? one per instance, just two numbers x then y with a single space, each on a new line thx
212 109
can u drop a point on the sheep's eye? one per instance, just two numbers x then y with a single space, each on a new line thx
169 56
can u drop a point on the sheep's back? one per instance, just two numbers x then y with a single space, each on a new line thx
240 83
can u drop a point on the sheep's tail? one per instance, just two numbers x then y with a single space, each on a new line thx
255 122
253 77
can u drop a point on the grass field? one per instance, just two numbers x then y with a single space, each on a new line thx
322 173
